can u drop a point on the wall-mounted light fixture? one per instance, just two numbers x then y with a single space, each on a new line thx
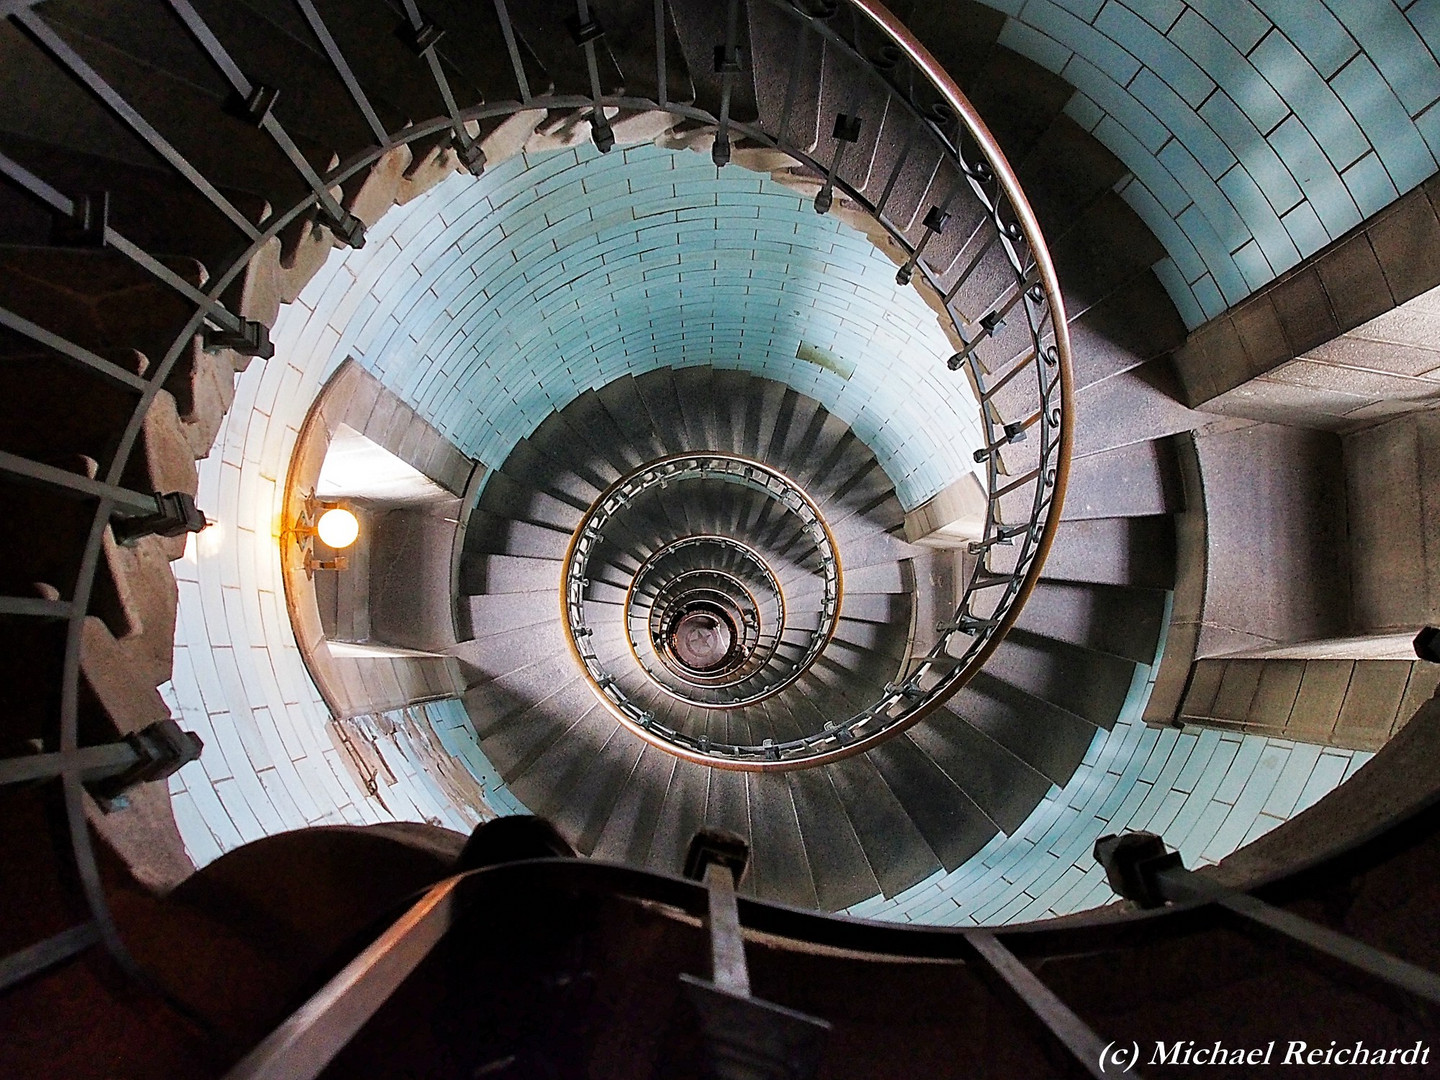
336 526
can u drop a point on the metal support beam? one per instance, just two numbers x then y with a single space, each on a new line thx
89 78
662 72
586 30
301 1047
424 35
846 131
1141 868
139 515
727 66
46 954
175 514
507 31
75 484
153 753
36 607
744 1038
343 69
348 228
1181 886
935 219
727 945
68 350
93 762
1072 1033
66 208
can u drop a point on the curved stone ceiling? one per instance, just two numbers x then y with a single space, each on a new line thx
488 303
464 303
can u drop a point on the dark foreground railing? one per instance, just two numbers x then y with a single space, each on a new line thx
740 1032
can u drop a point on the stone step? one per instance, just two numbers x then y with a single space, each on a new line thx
896 850
1003 786
778 846
952 825
1050 740
1138 480
839 868
1090 684
489 573
1124 622
1136 551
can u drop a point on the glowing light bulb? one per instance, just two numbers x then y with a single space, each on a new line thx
338 528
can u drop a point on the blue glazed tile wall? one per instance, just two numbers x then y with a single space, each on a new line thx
1207 792
1256 131
555 274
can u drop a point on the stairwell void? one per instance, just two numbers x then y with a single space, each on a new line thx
664 258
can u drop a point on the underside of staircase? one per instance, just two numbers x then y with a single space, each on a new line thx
826 837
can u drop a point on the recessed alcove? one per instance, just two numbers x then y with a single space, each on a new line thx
390 607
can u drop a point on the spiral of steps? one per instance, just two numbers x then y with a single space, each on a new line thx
828 836
173 172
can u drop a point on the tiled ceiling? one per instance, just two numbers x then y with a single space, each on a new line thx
488 303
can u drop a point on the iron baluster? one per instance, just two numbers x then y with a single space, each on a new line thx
343 69
46 954
69 351
727 66
422 37
1076 1037
259 107
40 32
507 31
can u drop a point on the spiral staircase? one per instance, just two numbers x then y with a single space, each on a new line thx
172 200
827 836
688 594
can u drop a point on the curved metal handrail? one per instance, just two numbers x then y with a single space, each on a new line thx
303 1044
993 595
587 538
938 674
762 639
